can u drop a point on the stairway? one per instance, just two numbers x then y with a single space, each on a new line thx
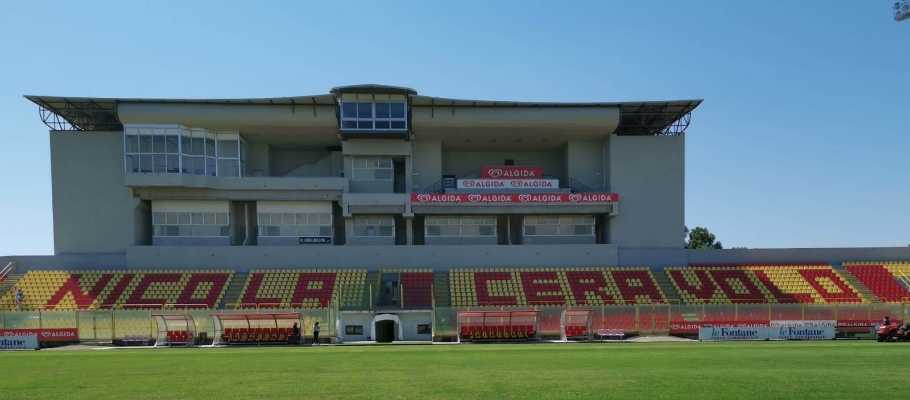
372 289
663 282
862 289
441 291
9 282
234 290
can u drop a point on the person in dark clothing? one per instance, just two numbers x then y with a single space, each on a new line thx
295 335
316 333
886 321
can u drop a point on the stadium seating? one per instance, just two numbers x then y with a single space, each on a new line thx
256 335
303 288
417 288
553 286
135 289
179 337
758 284
888 281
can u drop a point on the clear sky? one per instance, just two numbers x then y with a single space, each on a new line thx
803 139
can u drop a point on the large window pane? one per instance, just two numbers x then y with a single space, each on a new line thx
173 166
348 110
348 124
159 144
228 167
145 144
198 148
132 144
398 125
171 144
228 148
210 166
364 110
132 163
209 147
146 163
160 163
382 125
382 110
397 110
364 124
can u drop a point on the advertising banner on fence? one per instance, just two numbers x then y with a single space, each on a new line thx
45 335
492 184
27 342
510 198
714 332
803 330
510 172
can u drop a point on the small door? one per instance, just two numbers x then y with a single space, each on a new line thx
385 331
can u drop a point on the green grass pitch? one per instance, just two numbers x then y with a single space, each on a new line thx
765 370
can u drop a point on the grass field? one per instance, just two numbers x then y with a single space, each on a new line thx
772 370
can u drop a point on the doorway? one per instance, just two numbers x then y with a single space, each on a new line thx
386 328
385 331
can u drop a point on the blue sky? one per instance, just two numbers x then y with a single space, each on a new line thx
803 139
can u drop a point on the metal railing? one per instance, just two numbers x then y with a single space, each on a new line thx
125 321
5 271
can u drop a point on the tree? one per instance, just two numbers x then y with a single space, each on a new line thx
702 238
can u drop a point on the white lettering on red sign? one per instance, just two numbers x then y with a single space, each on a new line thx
510 172
508 183
591 197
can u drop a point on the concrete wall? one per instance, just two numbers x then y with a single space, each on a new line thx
409 322
648 173
468 163
443 257
257 159
558 239
451 240
427 161
585 163
302 162
365 186
93 211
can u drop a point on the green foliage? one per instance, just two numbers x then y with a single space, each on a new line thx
702 238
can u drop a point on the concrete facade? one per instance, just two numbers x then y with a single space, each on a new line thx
648 172
298 149
94 211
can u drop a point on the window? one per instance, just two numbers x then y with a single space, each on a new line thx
372 169
424 329
295 224
559 225
152 154
374 226
353 329
191 224
375 116
455 226
183 151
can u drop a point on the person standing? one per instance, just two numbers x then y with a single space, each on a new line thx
316 333
20 297
295 335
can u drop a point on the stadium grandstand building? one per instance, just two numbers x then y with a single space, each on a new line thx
390 215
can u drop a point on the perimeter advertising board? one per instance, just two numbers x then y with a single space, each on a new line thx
803 330
45 335
774 330
26 342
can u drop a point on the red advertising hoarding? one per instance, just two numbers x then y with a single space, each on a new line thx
46 334
509 198
510 172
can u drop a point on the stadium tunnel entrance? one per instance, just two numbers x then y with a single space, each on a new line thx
386 328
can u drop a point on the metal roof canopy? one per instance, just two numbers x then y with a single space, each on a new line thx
645 118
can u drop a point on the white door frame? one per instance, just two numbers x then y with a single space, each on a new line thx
386 317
